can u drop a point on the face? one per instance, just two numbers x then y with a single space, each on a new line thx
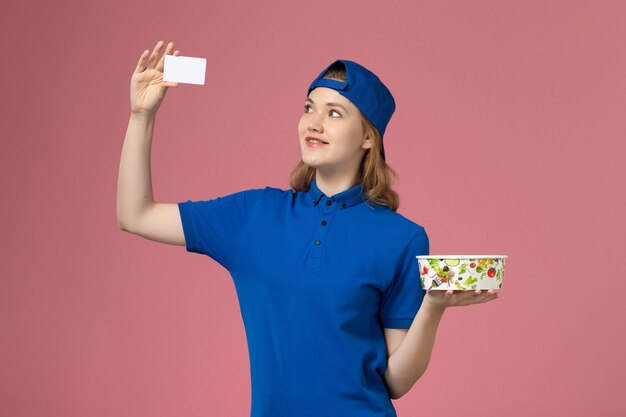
330 117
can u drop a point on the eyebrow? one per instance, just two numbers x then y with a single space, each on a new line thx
329 103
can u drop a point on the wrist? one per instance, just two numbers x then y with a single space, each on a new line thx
142 115
435 309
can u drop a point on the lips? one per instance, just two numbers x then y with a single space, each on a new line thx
309 138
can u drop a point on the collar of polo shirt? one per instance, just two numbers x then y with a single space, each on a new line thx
344 199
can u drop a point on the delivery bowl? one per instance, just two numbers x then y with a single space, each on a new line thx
461 272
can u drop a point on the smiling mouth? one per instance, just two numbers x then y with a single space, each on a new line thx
314 141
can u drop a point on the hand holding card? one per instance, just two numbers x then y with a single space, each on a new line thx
147 88
184 69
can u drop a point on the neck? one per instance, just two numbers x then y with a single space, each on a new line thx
331 184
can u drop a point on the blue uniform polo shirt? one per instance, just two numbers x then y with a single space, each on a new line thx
318 278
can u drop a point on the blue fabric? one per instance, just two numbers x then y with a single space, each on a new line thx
365 90
317 279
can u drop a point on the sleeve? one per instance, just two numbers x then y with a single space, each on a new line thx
403 298
214 227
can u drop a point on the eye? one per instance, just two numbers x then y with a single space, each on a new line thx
307 107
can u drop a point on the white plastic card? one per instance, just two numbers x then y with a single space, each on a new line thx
184 69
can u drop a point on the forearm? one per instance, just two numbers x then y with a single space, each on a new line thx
410 360
134 185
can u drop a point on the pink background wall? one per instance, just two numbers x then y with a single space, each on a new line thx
508 138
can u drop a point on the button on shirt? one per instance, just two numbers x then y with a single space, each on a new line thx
317 278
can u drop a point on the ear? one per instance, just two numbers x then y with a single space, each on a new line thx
367 143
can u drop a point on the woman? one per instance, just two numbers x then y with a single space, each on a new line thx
325 273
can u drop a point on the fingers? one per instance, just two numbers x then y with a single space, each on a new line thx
491 291
168 50
458 297
486 296
141 64
452 291
150 61
154 55
143 59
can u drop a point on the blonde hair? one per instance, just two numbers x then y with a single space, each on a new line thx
375 174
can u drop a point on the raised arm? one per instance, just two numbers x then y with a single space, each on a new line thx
137 212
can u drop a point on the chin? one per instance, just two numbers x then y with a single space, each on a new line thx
312 162
309 162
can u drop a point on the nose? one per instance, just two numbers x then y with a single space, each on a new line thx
315 123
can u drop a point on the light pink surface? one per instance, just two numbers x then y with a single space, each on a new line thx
510 114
